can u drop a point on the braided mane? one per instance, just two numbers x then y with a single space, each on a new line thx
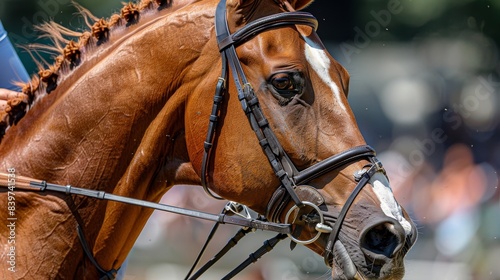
69 50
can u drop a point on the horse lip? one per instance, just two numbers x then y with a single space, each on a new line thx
344 261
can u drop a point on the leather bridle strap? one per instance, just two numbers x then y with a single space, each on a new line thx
249 102
283 167
212 126
334 162
363 178
225 39
279 200
105 274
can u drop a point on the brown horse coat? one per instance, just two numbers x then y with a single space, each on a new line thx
125 109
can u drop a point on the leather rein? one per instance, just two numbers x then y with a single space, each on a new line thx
306 199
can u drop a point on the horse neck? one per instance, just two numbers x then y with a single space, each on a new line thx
129 133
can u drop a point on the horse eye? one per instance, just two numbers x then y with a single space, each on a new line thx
282 82
285 85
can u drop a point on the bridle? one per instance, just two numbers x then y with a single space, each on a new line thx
289 176
306 199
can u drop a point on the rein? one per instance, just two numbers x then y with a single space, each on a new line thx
231 215
30 184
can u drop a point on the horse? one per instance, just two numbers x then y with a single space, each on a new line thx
128 108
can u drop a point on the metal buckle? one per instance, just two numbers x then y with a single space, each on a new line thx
238 209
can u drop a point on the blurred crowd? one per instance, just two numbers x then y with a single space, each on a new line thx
431 109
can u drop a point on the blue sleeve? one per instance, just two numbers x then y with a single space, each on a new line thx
11 67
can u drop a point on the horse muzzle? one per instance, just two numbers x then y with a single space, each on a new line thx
377 251
371 246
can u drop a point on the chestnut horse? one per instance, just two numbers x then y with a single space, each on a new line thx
125 109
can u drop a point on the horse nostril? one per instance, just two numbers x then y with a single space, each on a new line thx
382 239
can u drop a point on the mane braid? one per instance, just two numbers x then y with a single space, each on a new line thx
67 46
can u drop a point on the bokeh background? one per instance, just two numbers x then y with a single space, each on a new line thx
425 88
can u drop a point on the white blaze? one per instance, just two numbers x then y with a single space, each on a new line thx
387 201
320 63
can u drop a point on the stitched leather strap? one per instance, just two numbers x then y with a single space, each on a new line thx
365 178
105 274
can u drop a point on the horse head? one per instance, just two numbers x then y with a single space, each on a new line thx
302 92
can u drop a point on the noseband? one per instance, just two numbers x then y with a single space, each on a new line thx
291 179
